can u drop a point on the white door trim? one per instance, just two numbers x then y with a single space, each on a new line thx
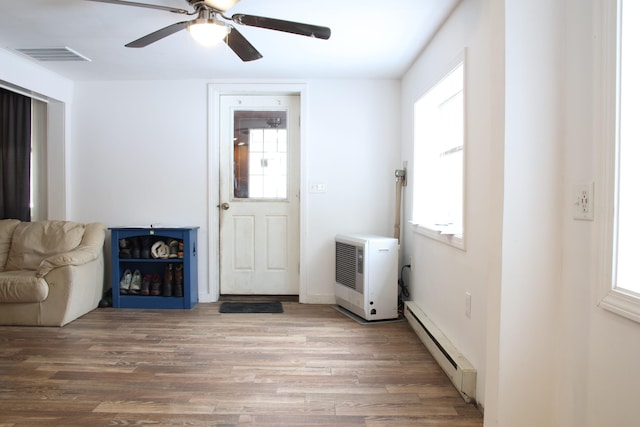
211 292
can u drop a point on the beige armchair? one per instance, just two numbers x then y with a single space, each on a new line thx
51 272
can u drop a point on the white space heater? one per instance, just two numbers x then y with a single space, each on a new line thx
367 276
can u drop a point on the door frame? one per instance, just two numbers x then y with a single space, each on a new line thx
214 93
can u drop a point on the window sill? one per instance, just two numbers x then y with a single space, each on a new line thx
622 304
439 234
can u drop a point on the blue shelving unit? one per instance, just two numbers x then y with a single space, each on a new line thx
189 261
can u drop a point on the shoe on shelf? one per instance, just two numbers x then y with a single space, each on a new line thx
168 281
145 243
135 247
125 282
178 281
124 248
136 283
173 248
160 250
155 285
146 284
181 250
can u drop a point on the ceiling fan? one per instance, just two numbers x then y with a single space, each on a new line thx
209 27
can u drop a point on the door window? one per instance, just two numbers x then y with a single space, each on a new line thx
260 152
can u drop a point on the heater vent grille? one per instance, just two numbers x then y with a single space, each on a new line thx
346 259
455 365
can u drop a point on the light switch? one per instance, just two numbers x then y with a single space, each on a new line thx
318 187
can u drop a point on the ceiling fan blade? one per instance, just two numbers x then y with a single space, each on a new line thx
147 5
241 46
157 35
280 25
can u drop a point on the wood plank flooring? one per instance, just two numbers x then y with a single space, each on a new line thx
310 366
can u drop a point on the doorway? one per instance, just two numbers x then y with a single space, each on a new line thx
259 194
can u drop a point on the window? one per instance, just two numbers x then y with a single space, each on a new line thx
38 160
260 154
628 151
438 195
622 280
35 177
268 163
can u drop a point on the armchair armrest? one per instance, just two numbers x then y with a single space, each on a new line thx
81 255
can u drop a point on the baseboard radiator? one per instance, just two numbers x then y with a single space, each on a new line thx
454 364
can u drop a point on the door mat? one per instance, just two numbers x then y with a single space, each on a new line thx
251 307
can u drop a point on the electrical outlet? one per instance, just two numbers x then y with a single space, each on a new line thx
583 201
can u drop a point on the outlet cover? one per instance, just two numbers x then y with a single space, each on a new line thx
318 187
583 201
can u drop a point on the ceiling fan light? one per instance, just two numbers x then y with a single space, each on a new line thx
208 32
221 5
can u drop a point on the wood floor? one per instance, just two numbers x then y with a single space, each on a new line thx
310 366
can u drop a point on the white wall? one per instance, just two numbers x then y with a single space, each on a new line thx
443 274
139 156
553 357
532 238
578 359
353 147
576 302
140 151
602 349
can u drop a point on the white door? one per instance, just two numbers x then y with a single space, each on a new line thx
259 195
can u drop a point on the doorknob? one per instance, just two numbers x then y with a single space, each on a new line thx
224 206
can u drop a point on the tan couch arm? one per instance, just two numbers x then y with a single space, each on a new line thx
90 249
78 256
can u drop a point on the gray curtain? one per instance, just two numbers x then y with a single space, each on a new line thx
15 155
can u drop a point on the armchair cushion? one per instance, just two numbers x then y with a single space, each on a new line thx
7 227
22 287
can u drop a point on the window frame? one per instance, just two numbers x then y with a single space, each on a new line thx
610 298
431 230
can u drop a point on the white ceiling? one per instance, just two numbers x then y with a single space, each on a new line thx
370 39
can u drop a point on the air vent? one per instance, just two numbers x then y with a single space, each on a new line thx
346 264
50 54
